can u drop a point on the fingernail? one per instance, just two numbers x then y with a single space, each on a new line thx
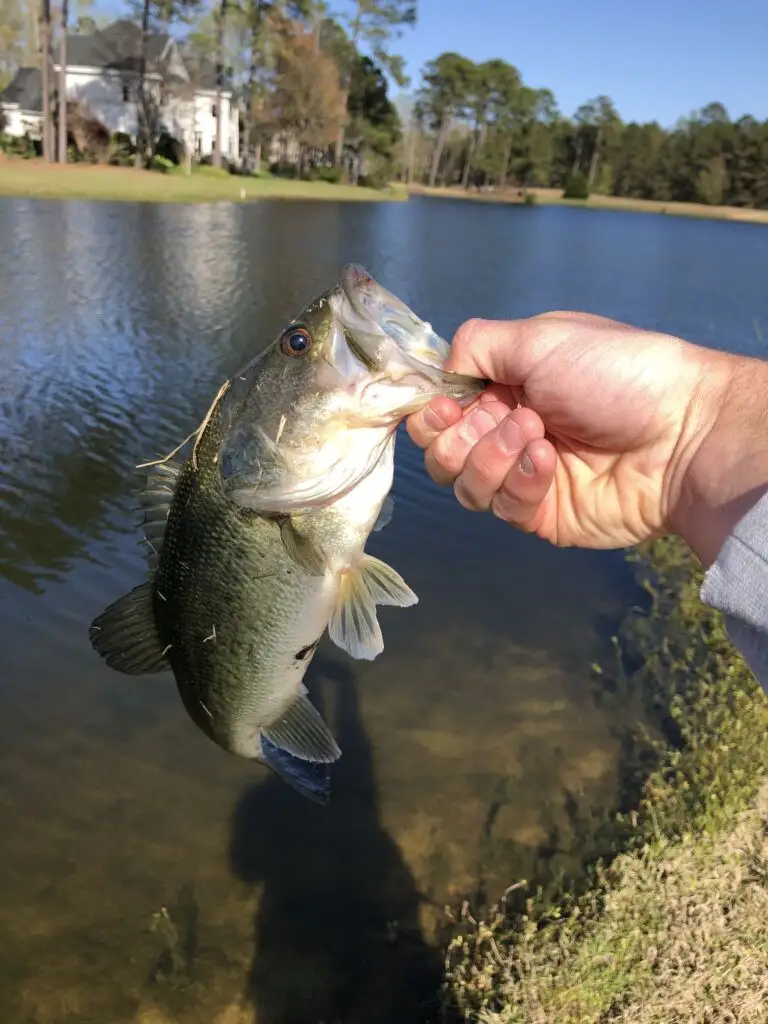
511 436
432 421
476 425
526 465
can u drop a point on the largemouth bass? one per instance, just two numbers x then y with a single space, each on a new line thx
256 535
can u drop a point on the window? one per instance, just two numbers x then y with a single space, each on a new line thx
126 92
213 110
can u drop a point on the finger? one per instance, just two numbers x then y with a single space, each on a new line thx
494 455
445 457
493 350
426 425
520 499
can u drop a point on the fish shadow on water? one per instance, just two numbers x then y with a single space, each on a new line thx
337 935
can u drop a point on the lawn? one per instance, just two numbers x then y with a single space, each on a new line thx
40 180
553 196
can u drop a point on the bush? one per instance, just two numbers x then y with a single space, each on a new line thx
576 187
169 148
91 137
284 169
20 145
161 164
329 174
122 152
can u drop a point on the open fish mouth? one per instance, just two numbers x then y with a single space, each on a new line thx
372 315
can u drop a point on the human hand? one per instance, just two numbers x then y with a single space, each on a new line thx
592 433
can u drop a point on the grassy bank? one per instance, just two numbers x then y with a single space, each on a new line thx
675 926
554 197
40 180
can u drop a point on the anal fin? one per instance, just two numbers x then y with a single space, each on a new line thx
125 634
301 731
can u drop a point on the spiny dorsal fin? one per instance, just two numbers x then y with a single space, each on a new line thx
354 626
301 731
125 634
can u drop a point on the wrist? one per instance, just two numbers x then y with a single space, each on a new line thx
722 455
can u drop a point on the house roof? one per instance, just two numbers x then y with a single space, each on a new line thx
202 71
25 89
117 47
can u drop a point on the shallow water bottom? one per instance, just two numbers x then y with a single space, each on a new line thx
280 911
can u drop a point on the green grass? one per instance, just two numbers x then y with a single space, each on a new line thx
37 179
675 926
554 197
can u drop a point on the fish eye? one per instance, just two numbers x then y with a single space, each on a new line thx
296 342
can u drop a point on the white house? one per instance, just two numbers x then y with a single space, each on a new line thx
103 75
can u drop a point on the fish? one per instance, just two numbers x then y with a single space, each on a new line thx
256 527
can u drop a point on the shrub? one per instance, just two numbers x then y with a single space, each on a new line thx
576 187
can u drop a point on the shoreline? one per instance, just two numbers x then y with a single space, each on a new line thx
553 197
685 869
35 179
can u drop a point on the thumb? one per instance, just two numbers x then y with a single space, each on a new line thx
497 350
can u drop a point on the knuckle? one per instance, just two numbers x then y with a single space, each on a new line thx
467 334
466 496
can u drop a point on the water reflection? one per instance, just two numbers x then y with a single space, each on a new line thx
337 900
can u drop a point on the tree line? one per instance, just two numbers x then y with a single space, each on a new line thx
479 126
317 86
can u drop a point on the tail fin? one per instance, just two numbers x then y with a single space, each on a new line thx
309 778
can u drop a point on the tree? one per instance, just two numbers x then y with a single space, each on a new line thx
446 89
220 28
599 125
45 57
374 23
151 14
13 26
374 126
63 82
308 101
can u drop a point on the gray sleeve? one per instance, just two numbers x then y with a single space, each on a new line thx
736 584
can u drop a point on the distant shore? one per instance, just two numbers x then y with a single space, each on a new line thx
553 196
36 179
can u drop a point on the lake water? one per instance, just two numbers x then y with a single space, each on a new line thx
477 749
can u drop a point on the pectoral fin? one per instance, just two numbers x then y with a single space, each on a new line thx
385 516
301 549
155 499
125 634
354 626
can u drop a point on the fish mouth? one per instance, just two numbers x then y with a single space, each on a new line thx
390 340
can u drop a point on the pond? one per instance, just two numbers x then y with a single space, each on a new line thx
478 748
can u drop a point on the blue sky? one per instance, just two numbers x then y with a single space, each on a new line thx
657 59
